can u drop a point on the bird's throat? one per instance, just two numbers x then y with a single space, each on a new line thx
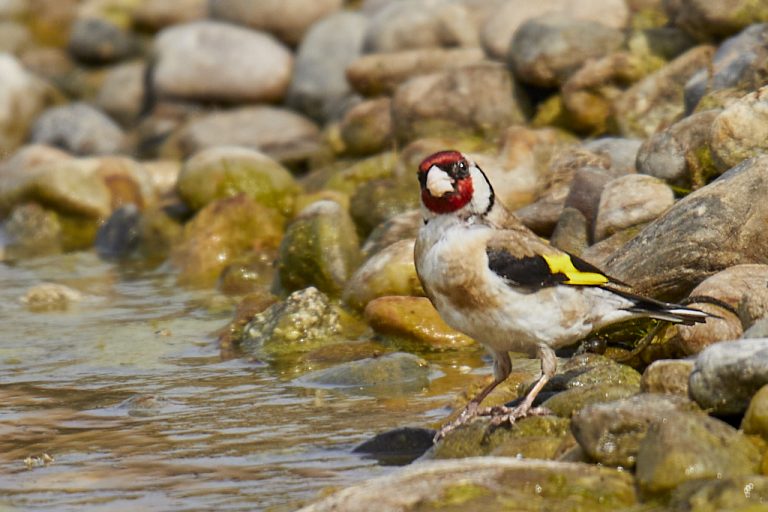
451 201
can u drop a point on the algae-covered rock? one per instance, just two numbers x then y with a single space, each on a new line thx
222 232
669 376
302 322
31 230
565 403
756 418
611 432
483 483
379 200
713 228
728 374
534 437
50 296
391 374
374 167
688 446
320 248
740 493
227 171
391 271
367 127
415 322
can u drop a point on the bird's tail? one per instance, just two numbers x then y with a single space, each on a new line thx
676 313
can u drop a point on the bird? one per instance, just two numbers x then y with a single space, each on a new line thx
493 279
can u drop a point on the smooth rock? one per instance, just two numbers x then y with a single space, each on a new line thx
757 330
546 50
414 322
713 228
282 134
668 376
379 74
225 171
122 93
288 20
488 483
14 37
688 446
705 20
728 374
611 432
320 248
95 40
753 305
656 101
474 100
392 374
366 128
30 231
584 370
680 154
78 128
584 194
50 296
739 131
349 178
158 14
302 322
22 97
319 87
630 200
729 286
402 226
755 420
534 437
398 446
571 233
377 201
221 232
390 271
118 237
745 493
621 152
739 62
500 25
212 61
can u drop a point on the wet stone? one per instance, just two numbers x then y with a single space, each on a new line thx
611 432
668 376
388 375
756 418
31 230
50 297
746 493
398 446
302 322
118 237
689 446
728 374
399 227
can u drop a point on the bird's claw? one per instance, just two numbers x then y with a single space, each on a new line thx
469 412
502 414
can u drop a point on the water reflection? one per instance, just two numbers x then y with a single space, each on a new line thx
127 392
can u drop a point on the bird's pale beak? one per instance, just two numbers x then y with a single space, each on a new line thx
438 182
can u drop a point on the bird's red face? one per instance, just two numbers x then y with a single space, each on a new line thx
446 182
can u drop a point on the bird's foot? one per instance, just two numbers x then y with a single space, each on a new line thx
469 412
501 414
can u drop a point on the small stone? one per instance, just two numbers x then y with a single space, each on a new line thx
630 200
50 296
473 100
739 132
611 432
571 233
367 127
99 41
755 420
319 87
320 248
584 194
288 20
302 322
78 128
377 74
656 101
688 446
30 231
122 93
399 446
211 61
402 226
392 374
391 271
279 133
224 171
377 201
546 50
158 14
668 376
727 286
413 321
118 237
621 152
728 374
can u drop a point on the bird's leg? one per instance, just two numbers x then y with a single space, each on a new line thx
502 414
502 367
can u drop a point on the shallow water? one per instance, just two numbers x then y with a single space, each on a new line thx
128 394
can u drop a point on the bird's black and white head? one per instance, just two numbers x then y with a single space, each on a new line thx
452 184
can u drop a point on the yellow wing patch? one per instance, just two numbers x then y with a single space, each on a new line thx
561 263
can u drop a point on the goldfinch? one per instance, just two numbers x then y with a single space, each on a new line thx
493 279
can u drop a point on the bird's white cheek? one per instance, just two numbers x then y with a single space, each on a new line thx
438 182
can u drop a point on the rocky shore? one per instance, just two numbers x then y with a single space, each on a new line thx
269 148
